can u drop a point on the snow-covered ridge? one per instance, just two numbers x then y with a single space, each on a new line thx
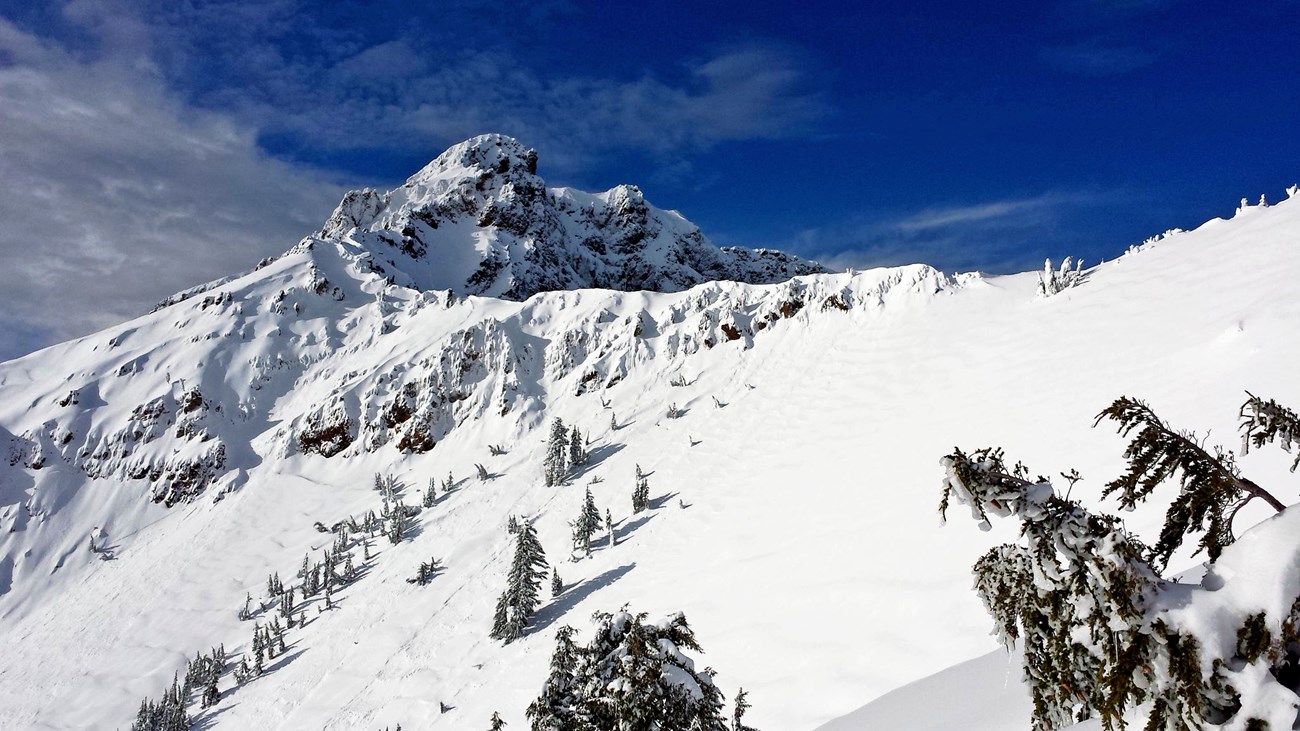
320 352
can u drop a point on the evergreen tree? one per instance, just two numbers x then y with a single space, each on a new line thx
555 466
586 525
518 603
430 495
497 723
557 584
632 675
641 493
577 450
397 525
609 527
742 705
555 709
1077 596
211 693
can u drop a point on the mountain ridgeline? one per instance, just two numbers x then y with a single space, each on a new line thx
478 220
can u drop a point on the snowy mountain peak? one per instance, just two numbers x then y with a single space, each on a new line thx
491 153
478 220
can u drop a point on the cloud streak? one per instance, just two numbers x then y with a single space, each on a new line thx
999 236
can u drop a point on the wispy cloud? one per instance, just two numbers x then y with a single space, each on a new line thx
116 192
746 93
1000 236
1088 59
1106 37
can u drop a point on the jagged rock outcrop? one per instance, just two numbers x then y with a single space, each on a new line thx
478 220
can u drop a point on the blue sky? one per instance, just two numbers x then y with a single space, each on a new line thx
149 146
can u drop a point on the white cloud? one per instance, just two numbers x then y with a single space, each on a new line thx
115 195
1000 236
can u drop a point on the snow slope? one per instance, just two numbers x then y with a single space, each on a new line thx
795 526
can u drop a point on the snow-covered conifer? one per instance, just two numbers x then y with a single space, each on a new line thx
586 525
609 528
497 723
518 603
557 584
555 708
633 674
641 493
430 494
577 450
555 466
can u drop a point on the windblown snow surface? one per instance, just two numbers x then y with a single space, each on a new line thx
794 520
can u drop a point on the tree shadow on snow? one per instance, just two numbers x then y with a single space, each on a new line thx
662 500
625 527
209 718
595 457
561 604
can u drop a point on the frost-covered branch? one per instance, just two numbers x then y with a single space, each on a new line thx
1264 422
1210 483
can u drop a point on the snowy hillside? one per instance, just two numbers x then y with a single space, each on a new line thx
793 491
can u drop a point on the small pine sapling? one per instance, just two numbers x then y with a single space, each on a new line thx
557 584
742 705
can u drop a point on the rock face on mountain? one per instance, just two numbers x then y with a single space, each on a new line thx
478 220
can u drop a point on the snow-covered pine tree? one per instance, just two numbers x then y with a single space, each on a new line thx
609 528
577 450
397 525
497 723
1051 281
556 707
430 494
557 584
1080 595
640 493
632 675
518 603
586 525
1030 590
512 525
555 467
211 693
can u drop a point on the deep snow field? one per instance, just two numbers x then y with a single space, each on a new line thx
796 526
